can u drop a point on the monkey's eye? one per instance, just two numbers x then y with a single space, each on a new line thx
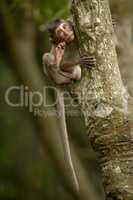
65 26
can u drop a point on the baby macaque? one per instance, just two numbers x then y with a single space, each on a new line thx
61 72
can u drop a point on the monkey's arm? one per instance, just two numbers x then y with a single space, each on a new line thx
85 61
55 56
51 62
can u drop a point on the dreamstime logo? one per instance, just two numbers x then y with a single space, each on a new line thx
36 101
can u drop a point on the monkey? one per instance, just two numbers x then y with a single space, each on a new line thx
63 72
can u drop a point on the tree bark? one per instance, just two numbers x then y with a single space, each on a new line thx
106 105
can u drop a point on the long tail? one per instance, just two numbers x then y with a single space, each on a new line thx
64 136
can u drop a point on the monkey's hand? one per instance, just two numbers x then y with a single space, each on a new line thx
87 61
59 52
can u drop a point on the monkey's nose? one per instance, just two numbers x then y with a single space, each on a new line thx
65 33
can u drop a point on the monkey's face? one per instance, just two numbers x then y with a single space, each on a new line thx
64 32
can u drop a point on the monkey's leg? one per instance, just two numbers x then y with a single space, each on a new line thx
67 77
60 77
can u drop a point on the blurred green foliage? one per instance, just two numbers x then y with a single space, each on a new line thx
25 172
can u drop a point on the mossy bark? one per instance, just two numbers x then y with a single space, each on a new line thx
106 105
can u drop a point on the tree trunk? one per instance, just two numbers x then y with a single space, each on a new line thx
106 106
